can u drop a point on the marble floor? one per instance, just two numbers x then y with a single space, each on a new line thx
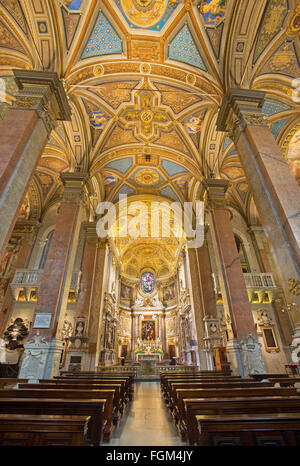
147 421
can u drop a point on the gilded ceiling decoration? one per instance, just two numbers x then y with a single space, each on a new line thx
145 79
104 40
8 40
183 49
283 60
274 17
71 22
14 8
147 14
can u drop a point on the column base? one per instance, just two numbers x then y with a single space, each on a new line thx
206 360
246 357
41 359
295 345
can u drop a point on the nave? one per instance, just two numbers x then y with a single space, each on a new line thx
183 408
147 422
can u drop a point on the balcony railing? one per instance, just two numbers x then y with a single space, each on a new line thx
260 287
26 283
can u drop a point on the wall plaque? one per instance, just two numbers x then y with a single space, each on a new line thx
42 321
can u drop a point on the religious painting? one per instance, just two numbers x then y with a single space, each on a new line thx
24 211
193 125
293 154
126 292
148 282
213 11
79 327
169 292
148 330
97 120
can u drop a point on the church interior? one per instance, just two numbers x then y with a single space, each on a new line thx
155 120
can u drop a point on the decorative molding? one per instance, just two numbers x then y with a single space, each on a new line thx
43 92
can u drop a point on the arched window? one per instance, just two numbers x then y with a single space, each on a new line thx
46 250
147 282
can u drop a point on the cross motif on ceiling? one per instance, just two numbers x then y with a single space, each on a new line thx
145 115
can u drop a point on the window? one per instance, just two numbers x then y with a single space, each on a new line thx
147 282
270 340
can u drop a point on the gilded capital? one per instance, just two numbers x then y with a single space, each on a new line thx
74 186
216 192
241 107
43 92
91 236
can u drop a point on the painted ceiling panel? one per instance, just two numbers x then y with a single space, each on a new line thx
104 40
172 168
146 14
183 49
121 165
273 19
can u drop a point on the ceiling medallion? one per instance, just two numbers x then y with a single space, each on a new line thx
98 70
146 116
144 13
143 3
147 177
145 68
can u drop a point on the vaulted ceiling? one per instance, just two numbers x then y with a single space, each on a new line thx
145 79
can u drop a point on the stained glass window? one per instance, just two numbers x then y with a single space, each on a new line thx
147 282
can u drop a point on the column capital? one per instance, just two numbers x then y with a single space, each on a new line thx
74 186
43 92
241 107
216 191
90 230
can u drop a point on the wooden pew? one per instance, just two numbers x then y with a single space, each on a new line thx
267 376
239 405
173 386
43 430
10 383
165 382
179 395
111 413
118 384
124 393
61 407
106 395
126 379
280 429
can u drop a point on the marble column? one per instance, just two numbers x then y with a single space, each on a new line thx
243 348
27 232
96 312
275 190
44 346
197 309
25 129
213 334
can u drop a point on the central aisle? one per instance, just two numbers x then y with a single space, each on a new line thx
147 421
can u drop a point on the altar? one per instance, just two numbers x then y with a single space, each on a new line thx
148 357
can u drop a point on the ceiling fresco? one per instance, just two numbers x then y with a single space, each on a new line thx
145 79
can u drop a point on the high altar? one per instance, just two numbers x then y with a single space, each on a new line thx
148 332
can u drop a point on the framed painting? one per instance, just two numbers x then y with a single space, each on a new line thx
126 292
169 292
148 330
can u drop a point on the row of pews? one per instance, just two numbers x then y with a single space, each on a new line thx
210 408
73 409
